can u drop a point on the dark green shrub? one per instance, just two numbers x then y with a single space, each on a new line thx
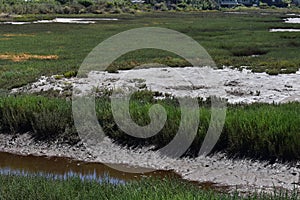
272 71
85 3
70 74
248 51
62 1
263 5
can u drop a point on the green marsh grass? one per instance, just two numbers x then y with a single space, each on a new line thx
35 187
258 131
230 39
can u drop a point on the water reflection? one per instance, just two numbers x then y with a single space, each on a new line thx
65 176
64 168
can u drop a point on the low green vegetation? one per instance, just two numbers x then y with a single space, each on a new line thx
259 131
231 39
34 187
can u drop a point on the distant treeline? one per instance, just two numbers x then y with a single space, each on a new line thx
123 6
101 6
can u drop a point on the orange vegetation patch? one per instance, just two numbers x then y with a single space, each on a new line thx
5 39
24 56
18 35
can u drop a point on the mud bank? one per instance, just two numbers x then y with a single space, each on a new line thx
234 85
243 175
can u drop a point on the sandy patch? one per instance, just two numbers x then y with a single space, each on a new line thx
24 57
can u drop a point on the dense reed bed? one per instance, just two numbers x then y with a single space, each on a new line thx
258 131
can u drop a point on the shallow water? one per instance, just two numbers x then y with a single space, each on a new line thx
63 168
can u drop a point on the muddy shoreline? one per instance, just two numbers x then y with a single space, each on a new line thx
242 175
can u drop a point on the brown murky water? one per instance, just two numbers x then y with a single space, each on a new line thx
63 168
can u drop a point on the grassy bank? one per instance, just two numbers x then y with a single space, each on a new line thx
259 131
15 187
231 39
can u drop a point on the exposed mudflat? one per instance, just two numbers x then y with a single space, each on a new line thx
234 85
245 175
284 30
64 20
293 20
